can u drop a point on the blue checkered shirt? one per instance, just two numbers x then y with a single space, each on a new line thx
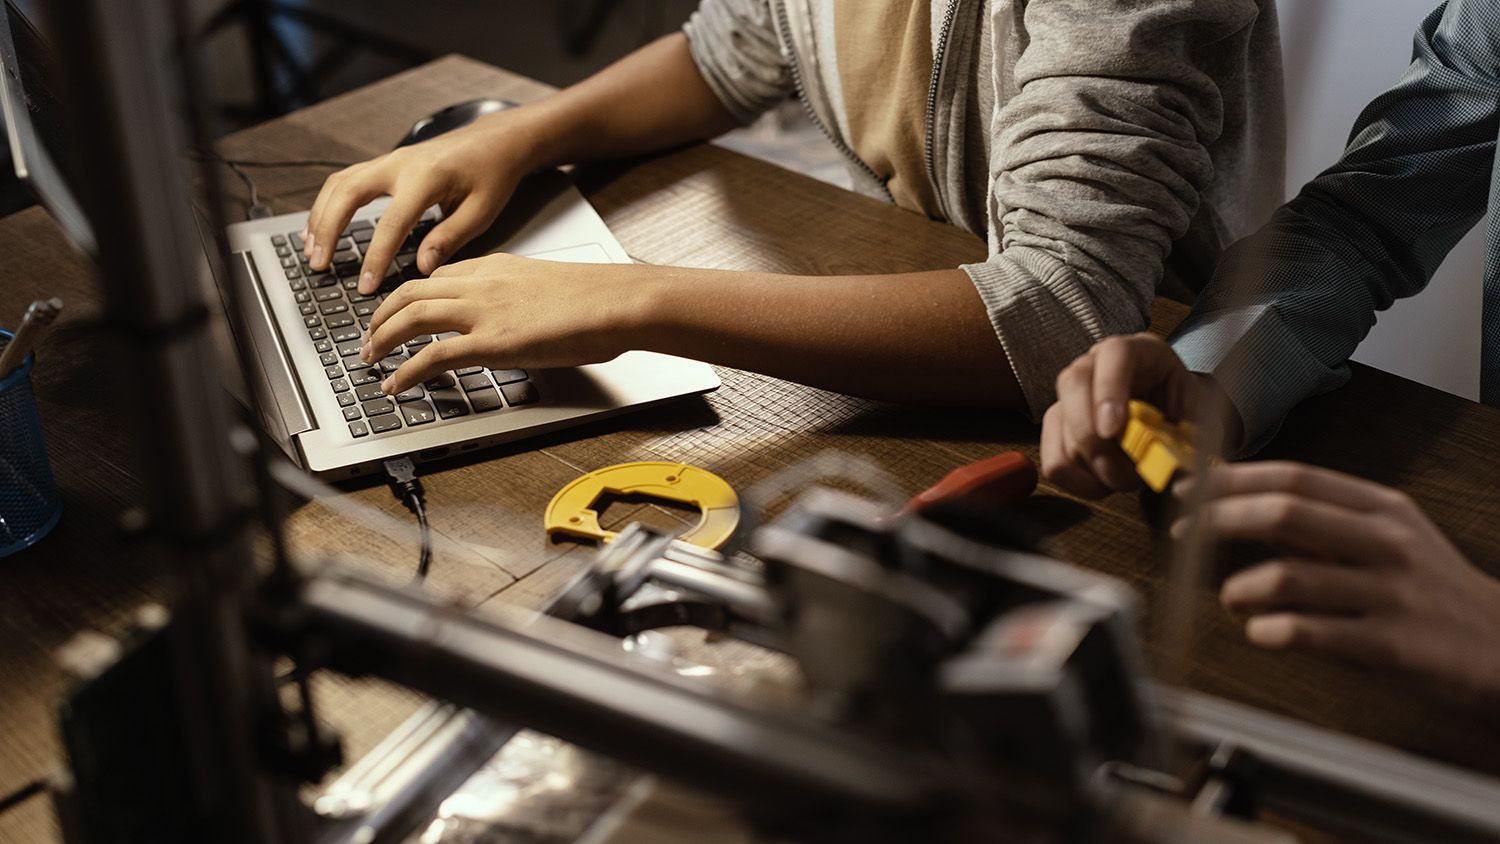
1289 304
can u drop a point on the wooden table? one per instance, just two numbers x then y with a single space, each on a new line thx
707 207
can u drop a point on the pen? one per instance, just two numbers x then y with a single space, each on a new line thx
33 325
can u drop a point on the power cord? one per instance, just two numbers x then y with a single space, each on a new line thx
255 209
22 794
402 475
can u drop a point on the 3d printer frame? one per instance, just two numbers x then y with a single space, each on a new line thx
913 641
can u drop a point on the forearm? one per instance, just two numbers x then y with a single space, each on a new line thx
911 337
650 100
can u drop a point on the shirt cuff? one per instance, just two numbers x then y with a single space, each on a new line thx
1258 361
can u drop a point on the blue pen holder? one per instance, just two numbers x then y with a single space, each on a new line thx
29 503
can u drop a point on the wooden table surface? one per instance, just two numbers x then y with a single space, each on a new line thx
706 207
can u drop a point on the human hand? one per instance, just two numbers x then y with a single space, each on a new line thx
1363 574
1081 431
512 312
470 173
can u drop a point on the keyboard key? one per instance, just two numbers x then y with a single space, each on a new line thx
368 375
417 413
338 321
346 399
328 308
365 308
419 341
441 381
323 345
313 321
474 382
345 244
376 407
339 386
368 393
360 226
297 242
469 370
450 403
364 323
333 372
523 392
328 358
288 262
506 376
388 422
350 284
342 335
348 348
412 394
358 429
351 414
321 280
302 297
392 363
486 399
278 240
283 252
329 294
297 282
292 273
318 333
346 262
363 237
354 364
308 309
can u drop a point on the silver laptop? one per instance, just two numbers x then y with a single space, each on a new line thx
325 408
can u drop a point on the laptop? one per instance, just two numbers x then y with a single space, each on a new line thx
321 403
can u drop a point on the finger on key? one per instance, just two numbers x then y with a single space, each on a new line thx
335 208
432 360
412 292
395 224
468 220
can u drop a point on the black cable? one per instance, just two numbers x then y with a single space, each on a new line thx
255 209
402 475
22 794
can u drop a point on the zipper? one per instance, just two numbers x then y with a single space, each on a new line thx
932 98
783 24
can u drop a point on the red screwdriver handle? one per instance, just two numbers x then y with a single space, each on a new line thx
996 481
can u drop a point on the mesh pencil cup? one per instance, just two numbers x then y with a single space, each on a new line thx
29 503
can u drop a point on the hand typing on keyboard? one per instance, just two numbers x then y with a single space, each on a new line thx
504 311
470 173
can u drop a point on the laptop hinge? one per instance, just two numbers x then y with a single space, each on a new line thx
285 413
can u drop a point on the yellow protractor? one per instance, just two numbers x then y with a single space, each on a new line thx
571 513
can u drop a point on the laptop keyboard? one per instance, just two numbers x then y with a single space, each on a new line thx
336 315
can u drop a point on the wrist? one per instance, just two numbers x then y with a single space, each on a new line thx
524 136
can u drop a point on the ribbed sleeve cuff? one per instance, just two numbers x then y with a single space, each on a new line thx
1258 361
1043 319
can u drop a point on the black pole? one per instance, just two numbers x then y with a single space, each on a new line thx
125 97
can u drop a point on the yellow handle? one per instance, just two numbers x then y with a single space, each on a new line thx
571 513
1158 447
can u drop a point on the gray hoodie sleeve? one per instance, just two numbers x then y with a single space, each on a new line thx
1099 161
734 45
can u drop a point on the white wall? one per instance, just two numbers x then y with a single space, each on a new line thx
1340 54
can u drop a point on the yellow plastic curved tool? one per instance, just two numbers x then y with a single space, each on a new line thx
571 513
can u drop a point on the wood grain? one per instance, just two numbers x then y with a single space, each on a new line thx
707 207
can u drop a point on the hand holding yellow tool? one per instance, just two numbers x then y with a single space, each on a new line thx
1160 449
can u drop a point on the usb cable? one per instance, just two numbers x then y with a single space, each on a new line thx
401 473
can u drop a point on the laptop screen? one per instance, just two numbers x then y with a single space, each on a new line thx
32 100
